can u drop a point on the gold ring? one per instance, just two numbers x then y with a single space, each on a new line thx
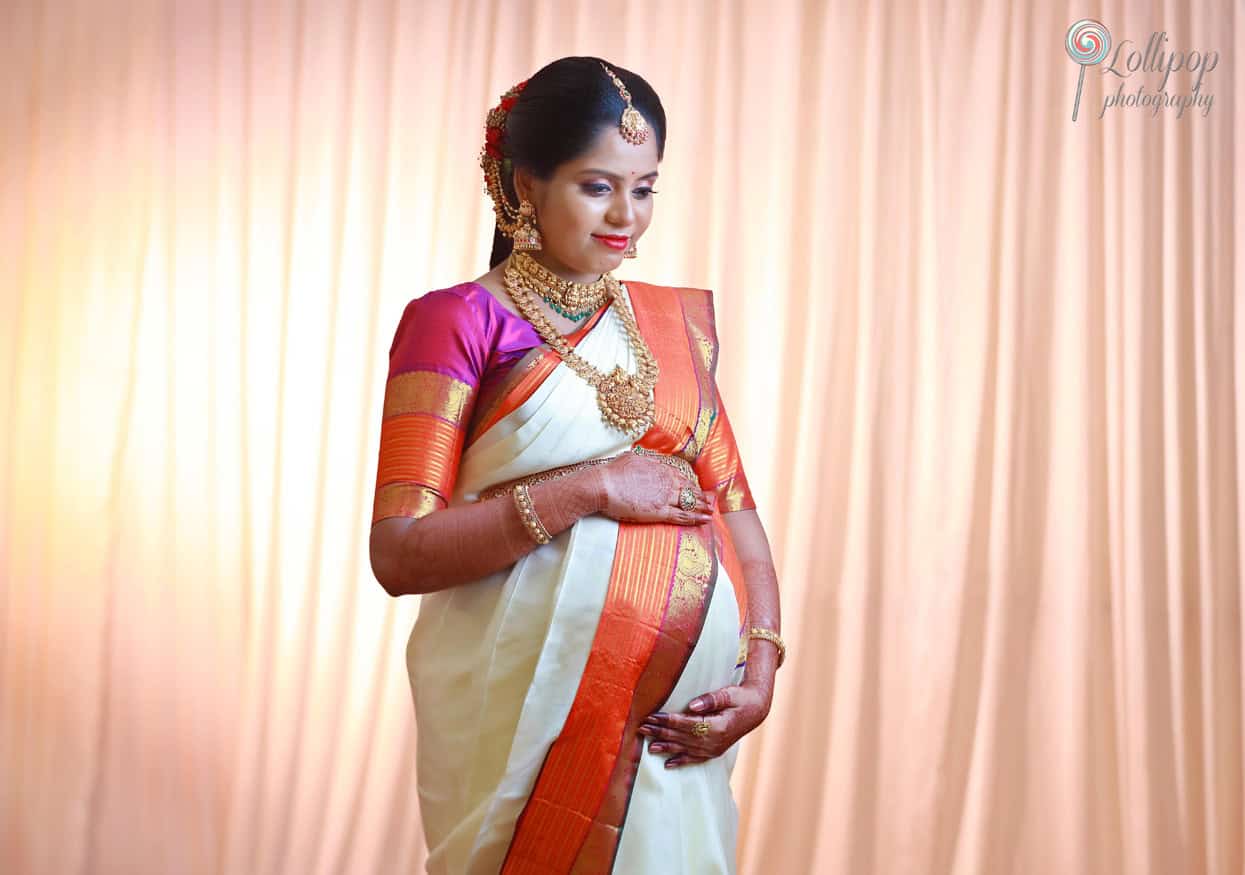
701 728
687 499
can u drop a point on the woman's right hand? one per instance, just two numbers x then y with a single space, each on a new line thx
638 489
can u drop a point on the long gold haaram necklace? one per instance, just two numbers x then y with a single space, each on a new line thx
625 399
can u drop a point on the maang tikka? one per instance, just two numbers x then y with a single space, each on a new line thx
632 125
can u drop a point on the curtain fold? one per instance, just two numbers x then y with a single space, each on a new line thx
981 362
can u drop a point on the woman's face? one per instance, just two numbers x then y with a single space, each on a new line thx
606 192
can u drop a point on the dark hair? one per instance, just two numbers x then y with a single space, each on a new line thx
558 115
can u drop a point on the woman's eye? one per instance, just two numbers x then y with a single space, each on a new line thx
645 192
596 188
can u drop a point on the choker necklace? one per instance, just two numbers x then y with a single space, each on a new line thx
569 299
625 399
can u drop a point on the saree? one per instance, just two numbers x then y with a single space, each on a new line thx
530 683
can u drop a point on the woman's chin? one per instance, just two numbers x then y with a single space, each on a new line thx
610 260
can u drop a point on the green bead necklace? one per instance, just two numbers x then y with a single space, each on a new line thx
574 317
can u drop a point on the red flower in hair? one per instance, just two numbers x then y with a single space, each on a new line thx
494 128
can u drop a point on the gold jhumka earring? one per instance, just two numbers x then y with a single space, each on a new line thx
526 235
630 252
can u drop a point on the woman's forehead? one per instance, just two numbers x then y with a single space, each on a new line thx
611 155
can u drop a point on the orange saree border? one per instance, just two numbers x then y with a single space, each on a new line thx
655 606
684 340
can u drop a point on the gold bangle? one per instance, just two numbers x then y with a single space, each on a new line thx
527 513
772 637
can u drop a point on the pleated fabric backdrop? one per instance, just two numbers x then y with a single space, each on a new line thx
982 360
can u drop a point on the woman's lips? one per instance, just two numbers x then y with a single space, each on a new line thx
612 242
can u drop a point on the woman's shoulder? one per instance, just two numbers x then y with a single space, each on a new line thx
462 306
460 298
454 323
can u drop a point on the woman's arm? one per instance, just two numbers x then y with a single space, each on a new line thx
752 548
455 545
734 711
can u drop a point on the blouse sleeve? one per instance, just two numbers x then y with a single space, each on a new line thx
718 466
436 362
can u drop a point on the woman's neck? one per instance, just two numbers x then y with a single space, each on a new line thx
550 263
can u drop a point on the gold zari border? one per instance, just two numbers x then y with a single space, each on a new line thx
405 499
427 392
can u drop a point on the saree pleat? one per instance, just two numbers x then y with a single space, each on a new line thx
529 684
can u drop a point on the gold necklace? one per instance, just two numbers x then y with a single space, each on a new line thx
569 299
625 399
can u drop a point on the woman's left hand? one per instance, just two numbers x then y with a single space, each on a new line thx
731 713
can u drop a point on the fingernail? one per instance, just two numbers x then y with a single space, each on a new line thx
670 764
656 746
645 730
697 706
657 715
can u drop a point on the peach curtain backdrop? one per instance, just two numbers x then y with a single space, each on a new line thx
982 362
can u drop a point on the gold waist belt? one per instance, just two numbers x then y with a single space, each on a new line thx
678 462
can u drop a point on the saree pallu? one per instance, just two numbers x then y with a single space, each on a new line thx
529 684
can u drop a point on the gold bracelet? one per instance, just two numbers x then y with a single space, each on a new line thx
772 637
527 513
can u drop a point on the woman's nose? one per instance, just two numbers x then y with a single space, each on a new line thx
622 211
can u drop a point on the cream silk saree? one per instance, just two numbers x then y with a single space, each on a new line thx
529 684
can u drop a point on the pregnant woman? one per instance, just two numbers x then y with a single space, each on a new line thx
558 481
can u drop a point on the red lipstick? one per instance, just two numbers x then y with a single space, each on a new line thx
613 242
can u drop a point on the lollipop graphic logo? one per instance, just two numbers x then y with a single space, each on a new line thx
1087 43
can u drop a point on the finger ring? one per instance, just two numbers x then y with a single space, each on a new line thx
687 499
701 728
